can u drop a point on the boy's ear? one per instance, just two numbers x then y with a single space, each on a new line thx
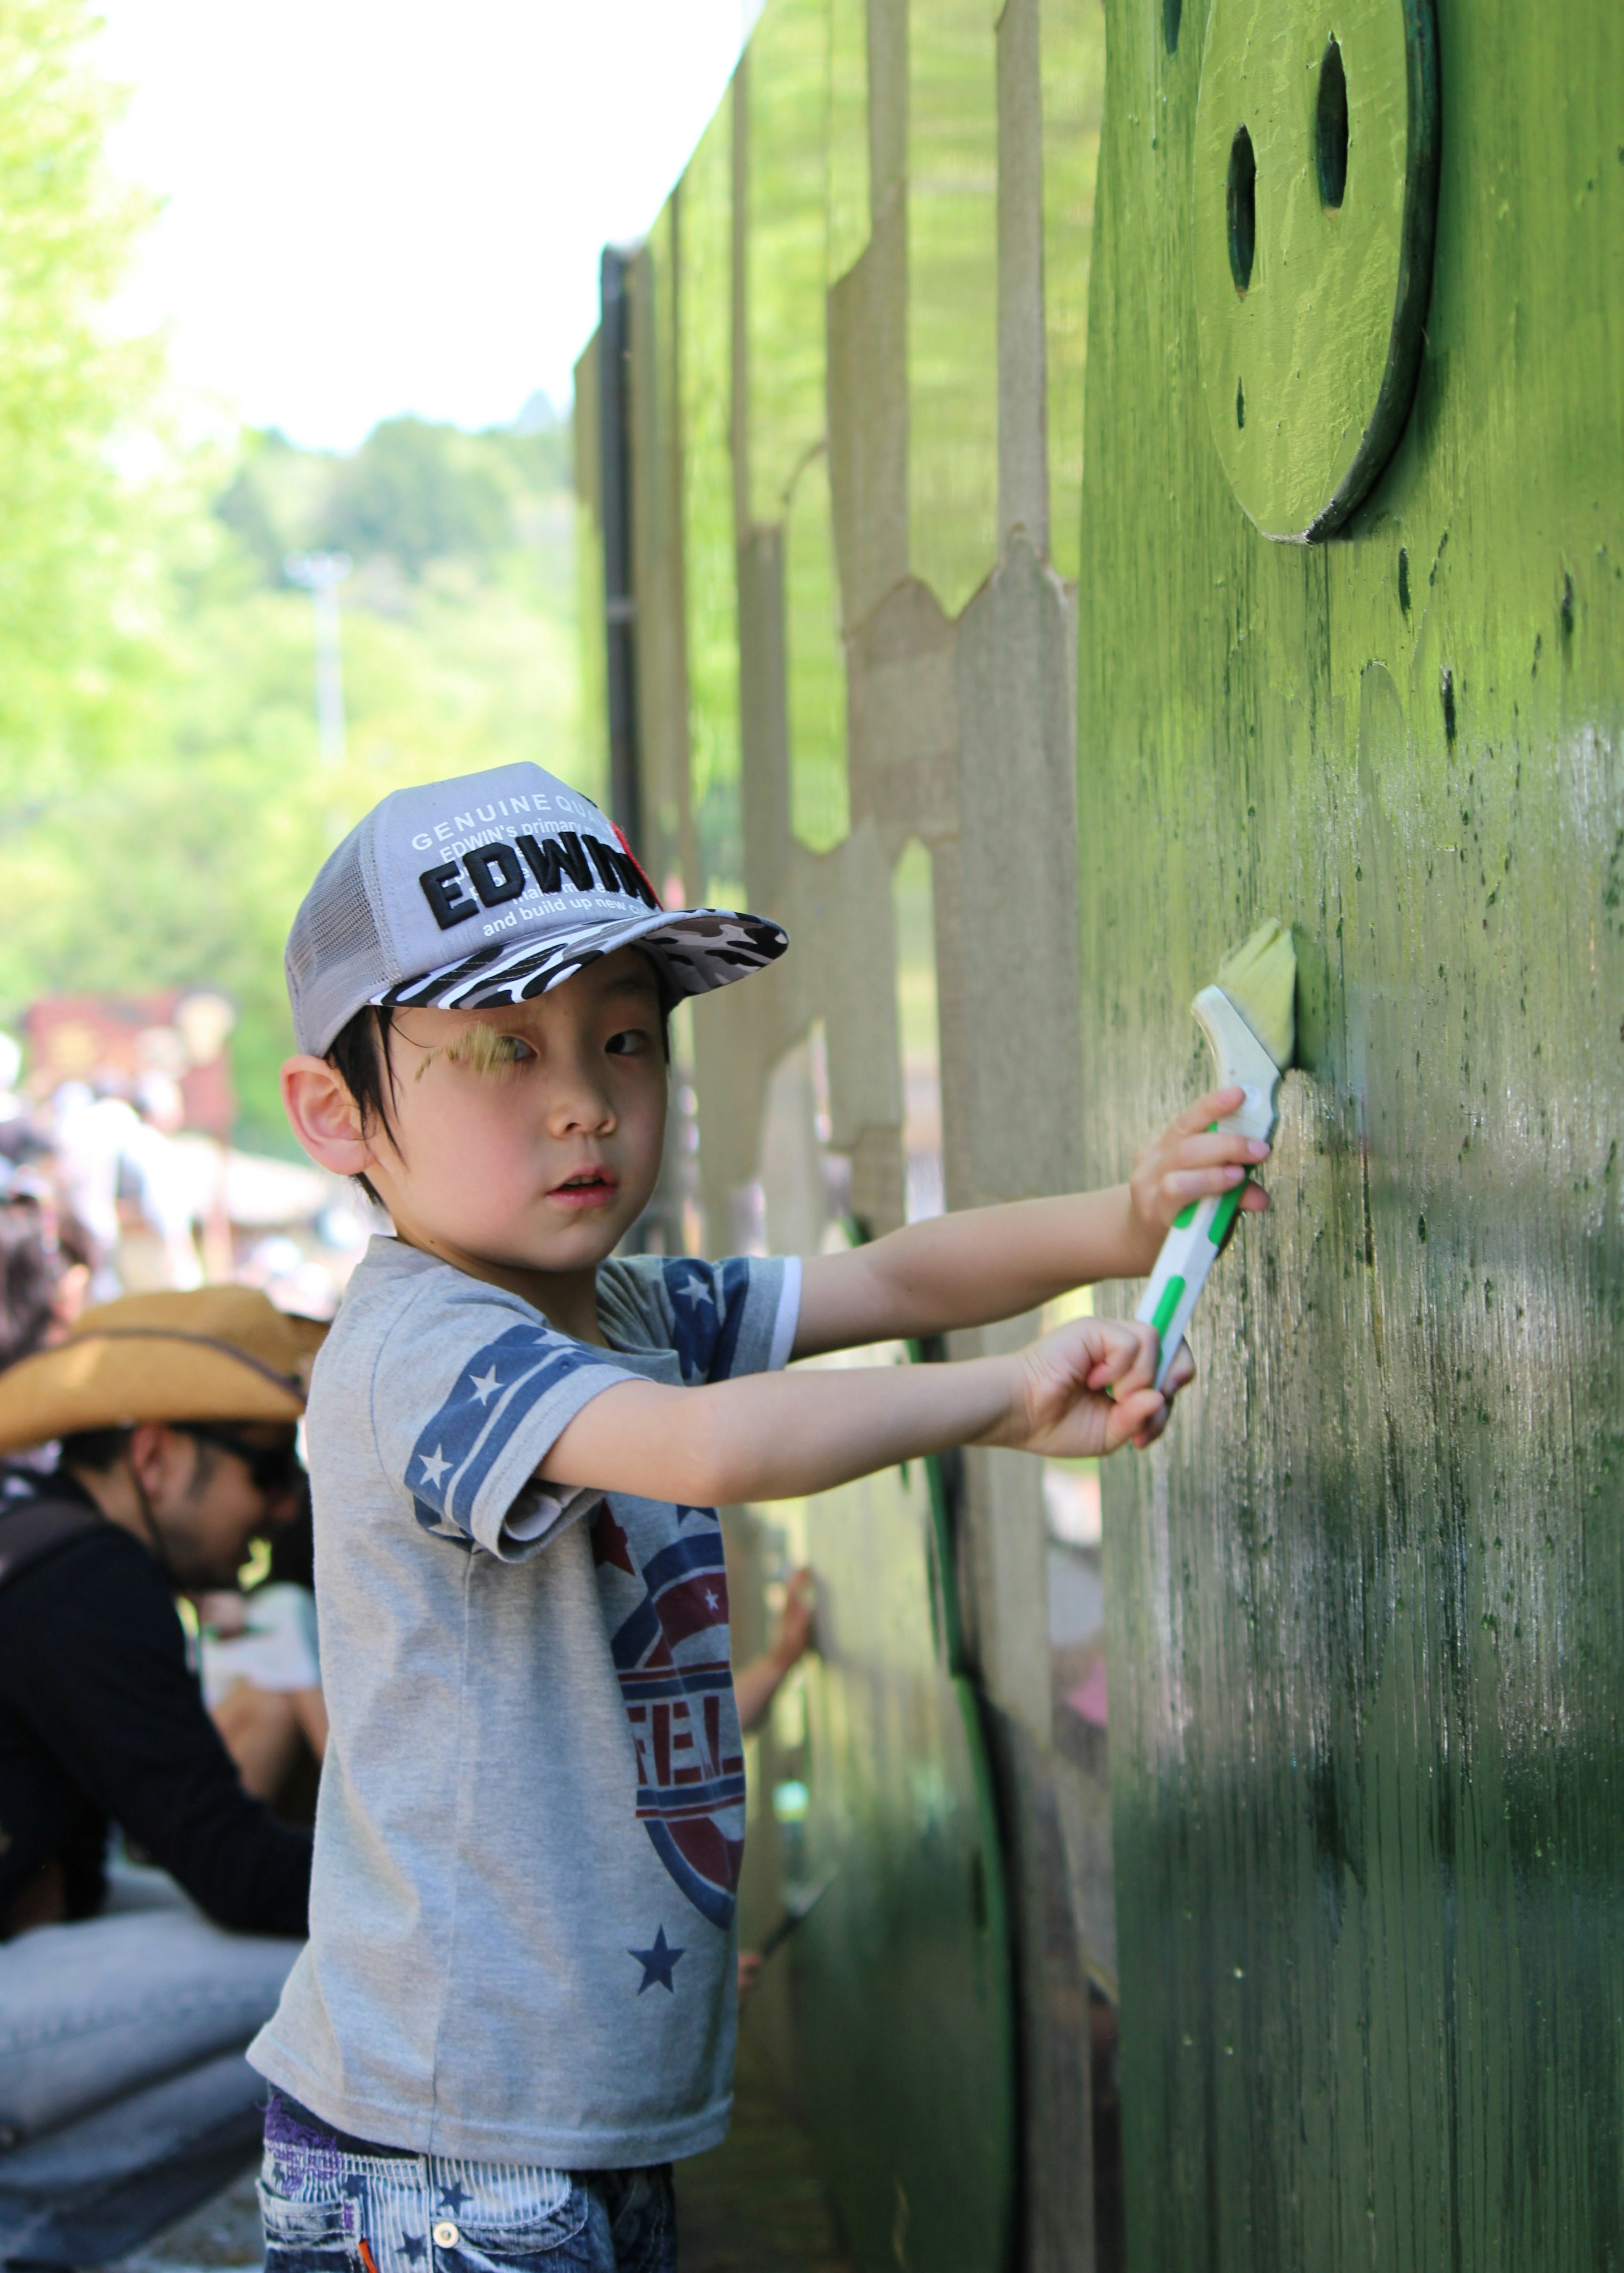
326 1118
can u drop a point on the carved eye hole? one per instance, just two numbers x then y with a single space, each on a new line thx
1242 208
1331 128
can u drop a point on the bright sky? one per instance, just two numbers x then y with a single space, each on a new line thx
375 207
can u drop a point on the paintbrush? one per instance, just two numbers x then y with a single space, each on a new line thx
1249 1016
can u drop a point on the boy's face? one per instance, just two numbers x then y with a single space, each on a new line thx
535 1143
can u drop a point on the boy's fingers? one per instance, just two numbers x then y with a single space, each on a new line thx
1255 1199
1131 1415
1143 1351
1207 1109
1130 1359
1184 1369
1218 1148
1196 1183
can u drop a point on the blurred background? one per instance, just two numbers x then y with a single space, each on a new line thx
292 304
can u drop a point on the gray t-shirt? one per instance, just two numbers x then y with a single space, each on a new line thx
531 1815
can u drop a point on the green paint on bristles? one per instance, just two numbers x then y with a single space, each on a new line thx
1260 979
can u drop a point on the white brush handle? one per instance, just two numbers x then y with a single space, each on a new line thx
1188 1253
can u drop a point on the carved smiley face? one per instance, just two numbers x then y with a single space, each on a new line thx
1314 194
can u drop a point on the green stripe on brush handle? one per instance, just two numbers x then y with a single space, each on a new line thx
1188 1254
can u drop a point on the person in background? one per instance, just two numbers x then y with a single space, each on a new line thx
754 1687
44 1273
127 1994
261 1670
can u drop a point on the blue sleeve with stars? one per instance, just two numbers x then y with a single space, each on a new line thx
720 1318
708 1304
471 1392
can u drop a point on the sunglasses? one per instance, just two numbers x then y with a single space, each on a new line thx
271 1467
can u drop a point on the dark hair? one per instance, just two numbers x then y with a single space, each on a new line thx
74 1244
101 1448
360 1055
95 1449
293 1549
28 1276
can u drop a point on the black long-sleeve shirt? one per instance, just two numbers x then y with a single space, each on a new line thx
100 1718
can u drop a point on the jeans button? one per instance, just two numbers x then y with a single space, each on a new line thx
446 2235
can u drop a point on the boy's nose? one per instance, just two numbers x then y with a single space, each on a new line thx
579 1101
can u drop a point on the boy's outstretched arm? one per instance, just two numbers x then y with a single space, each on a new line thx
775 1436
985 1264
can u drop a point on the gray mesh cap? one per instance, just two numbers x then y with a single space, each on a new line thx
492 888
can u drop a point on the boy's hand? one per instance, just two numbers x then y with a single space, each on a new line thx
1086 1389
1187 1162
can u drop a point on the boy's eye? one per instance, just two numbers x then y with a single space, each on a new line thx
631 1044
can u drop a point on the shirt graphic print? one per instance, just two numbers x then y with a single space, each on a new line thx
669 1639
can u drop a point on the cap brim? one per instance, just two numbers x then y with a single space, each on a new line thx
698 950
124 1378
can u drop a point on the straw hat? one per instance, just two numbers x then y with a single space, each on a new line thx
217 1354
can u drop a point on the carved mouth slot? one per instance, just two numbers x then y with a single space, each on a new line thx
1242 208
1331 128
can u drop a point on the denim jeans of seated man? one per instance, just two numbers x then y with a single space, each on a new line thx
333 2207
124 2097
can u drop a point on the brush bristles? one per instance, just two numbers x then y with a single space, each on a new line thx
1260 979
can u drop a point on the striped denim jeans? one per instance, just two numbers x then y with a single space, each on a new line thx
339 2206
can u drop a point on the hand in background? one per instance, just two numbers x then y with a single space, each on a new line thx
757 1684
794 1638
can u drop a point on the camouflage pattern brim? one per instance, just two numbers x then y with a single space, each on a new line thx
697 951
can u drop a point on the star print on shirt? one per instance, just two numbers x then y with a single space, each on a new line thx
452 2197
657 1963
414 2245
485 1384
434 1466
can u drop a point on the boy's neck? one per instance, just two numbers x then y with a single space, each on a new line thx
567 1299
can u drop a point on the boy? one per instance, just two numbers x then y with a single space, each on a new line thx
516 2005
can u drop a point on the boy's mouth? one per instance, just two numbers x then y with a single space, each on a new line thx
588 1187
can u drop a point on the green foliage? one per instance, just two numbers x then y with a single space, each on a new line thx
163 804
188 864
414 492
75 600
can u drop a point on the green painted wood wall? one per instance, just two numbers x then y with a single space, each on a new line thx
1367 1644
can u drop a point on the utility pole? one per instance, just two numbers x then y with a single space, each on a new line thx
321 573
616 505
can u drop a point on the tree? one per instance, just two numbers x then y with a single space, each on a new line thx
76 591
418 491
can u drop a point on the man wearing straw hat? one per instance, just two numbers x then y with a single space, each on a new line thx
126 1996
